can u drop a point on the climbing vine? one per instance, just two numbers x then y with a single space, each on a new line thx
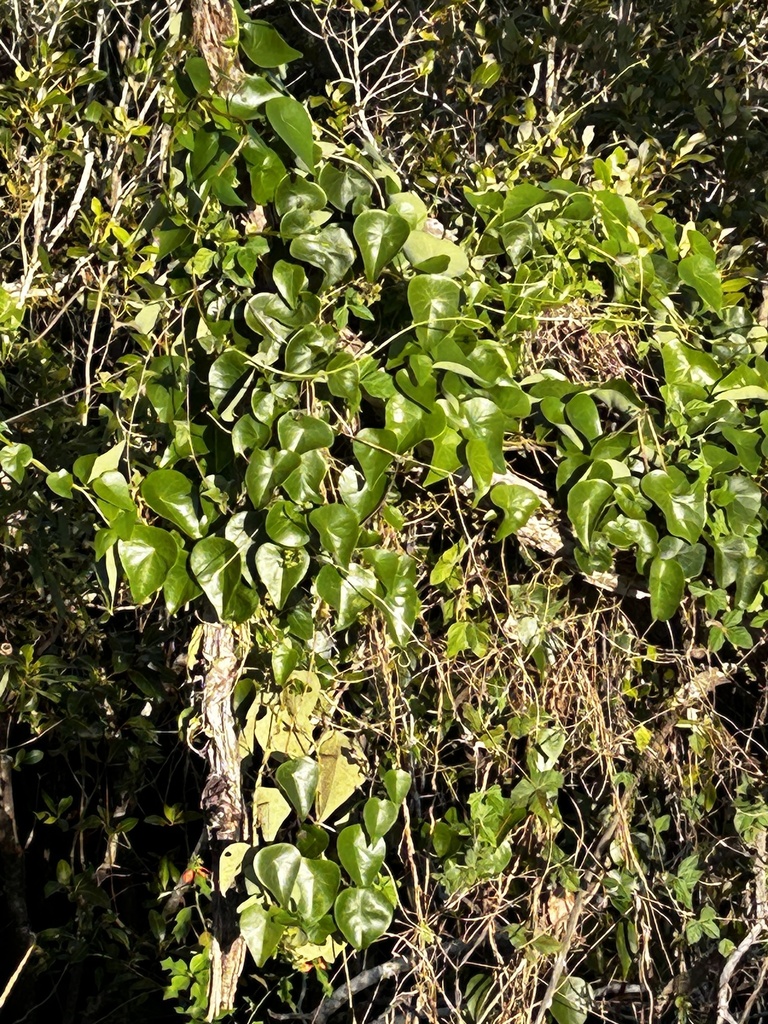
382 454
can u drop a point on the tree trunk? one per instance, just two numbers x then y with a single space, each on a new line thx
214 32
222 804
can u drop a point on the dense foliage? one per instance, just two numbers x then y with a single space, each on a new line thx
422 349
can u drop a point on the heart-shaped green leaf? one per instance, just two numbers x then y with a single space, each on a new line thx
261 931
666 582
518 503
397 784
329 249
215 563
286 525
265 47
361 861
381 236
684 504
379 817
343 185
277 868
362 915
434 303
304 433
339 530
586 500
266 471
433 255
280 570
700 273
293 124
298 779
170 494
147 558
411 208
249 97
315 889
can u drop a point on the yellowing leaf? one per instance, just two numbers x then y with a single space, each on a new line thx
281 721
340 774
230 863
270 809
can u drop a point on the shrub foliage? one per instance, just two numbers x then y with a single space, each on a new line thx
383 448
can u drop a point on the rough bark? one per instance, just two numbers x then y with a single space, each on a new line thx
214 26
222 804
214 33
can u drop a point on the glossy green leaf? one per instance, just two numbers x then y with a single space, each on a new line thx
729 551
339 529
215 563
14 459
379 817
380 236
742 500
303 484
312 840
61 483
250 96
700 273
199 75
586 501
374 450
248 434
277 868
281 570
170 494
666 582
290 281
582 413
266 471
361 861
304 433
349 593
292 123
179 588
686 365
147 558
343 185
432 255
297 193
113 487
752 574
299 779
265 47
480 465
401 603
286 525
411 208
518 503
397 784
434 303
261 931
572 1001
522 198
225 375
362 915
329 249
315 889
682 502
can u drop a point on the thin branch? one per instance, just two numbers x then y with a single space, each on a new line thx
16 975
